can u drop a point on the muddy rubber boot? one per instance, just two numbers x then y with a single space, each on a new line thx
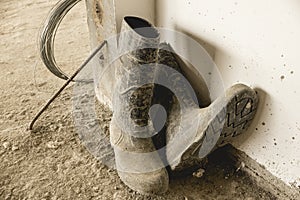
192 133
225 119
138 164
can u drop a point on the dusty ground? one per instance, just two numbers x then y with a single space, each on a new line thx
51 163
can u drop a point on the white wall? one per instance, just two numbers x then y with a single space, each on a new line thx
258 43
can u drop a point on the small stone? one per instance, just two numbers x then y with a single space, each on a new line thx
96 189
199 173
6 145
242 165
14 148
54 145
248 106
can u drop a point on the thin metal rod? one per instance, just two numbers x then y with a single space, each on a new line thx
66 84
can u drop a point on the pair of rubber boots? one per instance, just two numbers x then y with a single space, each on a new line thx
147 139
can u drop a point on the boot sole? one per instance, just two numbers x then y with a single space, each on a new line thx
229 117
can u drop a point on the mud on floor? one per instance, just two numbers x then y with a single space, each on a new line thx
51 163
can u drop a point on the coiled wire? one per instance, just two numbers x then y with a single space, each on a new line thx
48 33
46 45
